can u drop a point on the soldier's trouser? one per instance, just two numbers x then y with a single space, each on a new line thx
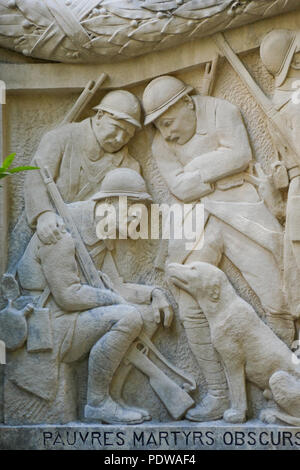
256 264
107 333
292 247
198 334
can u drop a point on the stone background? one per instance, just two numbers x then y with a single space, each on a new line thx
30 116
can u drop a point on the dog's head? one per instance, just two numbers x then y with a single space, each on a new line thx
201 280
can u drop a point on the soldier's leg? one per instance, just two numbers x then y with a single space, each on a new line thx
292 248
149 328
107 333
198 333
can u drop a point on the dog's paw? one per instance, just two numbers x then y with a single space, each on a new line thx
234 416
268 416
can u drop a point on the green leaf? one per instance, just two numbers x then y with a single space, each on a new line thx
3 174
22 168
8 161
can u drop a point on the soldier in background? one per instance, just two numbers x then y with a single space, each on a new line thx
78 156
280 53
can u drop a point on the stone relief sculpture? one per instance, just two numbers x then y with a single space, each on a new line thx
69 300
248 348
91 31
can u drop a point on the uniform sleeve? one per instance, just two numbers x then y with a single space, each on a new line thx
233 153
136 293
49 153
185 185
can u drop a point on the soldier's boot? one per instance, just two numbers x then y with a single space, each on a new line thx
105 357
123 371
216 401
117 390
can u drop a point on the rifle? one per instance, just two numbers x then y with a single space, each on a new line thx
83 100
209 77
174 397
289 153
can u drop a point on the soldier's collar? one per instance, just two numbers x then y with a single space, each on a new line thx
101 151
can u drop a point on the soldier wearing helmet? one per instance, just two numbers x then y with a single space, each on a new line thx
79 155
85 320
280 53
202 151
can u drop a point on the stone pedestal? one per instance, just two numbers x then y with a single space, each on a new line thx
152 437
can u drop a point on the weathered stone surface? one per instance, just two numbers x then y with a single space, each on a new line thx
174 436
103 327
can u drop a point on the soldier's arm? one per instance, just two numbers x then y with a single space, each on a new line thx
233 153
185 185
61 273
143 294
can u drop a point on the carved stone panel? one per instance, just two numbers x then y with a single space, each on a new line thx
150 260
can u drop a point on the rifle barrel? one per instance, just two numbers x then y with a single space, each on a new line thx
291 152
83 100
86 264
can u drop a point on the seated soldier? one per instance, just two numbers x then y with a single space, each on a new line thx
87 320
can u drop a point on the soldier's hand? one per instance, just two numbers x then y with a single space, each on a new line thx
50 228
161 305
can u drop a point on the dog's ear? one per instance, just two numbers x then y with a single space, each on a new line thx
214 292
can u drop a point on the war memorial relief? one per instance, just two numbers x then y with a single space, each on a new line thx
150 255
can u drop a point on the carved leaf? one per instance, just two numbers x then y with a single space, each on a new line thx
150 31
101 21
131 47
178 26
130 10
202 8
159 5
120 36
35 11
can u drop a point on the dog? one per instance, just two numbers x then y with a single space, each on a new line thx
248 348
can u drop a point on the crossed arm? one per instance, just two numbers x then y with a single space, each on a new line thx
232 155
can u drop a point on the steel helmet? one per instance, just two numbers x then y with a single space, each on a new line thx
277 50
122 105
160 94
123 182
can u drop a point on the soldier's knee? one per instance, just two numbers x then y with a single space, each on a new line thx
65 244
133 318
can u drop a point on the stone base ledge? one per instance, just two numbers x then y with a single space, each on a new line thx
181 435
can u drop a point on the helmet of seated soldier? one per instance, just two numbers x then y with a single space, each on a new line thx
123 182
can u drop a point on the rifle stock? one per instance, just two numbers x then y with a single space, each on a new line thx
175 399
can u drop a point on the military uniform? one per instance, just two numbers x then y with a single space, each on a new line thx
77 164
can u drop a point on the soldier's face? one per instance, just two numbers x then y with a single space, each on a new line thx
112 133
178 123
